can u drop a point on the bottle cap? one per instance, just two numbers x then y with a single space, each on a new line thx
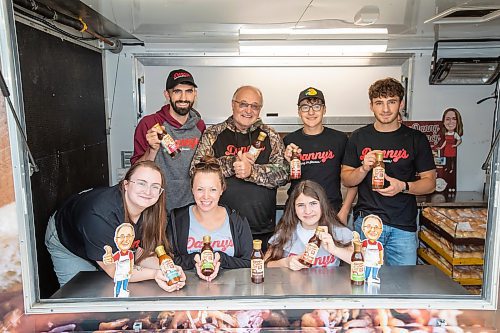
160 250
321 228
379 156
257 244
206 239
262 136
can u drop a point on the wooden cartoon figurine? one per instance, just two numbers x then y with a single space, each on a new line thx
123 258
453 130
373 250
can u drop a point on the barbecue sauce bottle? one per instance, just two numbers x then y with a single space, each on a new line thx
207 257
167 266
167 142
295 166
312 248
257 262
378 172
357 264
257 145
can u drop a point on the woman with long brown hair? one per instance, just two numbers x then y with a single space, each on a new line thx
307 208
78 232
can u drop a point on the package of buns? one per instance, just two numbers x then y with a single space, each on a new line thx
459 222
453 250
468 272
438 259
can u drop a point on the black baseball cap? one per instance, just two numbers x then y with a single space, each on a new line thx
311 93
179 76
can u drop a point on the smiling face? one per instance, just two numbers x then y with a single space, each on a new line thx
372 227
182 98
386 109
308 210
124 236
141 190
312 119
246 104
450 121
207 189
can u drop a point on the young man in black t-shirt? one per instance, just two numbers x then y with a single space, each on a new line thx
321 149
406 153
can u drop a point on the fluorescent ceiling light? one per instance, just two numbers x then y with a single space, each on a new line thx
312 48
303 31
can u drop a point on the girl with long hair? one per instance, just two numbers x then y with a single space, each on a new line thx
78 232
307 208
231 238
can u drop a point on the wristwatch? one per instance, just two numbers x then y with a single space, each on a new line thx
406 188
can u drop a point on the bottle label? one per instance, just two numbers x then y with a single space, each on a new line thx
378 177
357 271
295 169
168 268
310 253
257 267
168 144
254 152
207 260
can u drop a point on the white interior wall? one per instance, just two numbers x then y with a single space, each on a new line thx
280 88
429 102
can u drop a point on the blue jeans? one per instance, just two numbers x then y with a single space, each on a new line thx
372 270
400 247
119 285
66 264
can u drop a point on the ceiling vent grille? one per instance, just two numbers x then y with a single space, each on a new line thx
466 14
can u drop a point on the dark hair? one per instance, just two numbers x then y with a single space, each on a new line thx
154 218
460 125
208 164
387 87
288 222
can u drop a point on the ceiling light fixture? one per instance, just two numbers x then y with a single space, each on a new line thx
305 31
312 48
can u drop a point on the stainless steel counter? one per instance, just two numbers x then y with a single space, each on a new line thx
415 281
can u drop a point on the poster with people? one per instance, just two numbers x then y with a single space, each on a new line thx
444 137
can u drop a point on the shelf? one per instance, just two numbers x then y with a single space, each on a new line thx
444 254
462 281
458 241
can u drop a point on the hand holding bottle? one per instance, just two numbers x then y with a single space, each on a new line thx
369 160
152 137
327 242
243 165
395 187
294 264
161 280
289 150
197 263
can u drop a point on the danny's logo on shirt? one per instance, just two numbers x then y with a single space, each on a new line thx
190 143
322 156
218 244
232 150
392 154
322 261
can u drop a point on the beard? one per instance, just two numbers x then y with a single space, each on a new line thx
182 111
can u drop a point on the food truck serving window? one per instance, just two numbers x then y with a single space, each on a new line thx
419 286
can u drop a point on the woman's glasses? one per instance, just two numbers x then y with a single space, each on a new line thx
143 186
207 165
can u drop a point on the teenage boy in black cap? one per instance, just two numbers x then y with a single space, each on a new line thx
185 126
321 149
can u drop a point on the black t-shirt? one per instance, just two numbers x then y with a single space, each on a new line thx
407 152
321 160
257 203
87 221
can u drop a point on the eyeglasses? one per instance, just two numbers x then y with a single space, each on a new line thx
305 107
144 186
372 227
244 105
207 165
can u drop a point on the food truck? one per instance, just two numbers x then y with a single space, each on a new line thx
77 77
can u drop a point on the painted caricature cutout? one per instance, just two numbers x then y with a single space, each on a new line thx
373 250
453 131
123 258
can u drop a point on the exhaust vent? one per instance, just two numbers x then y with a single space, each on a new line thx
465 14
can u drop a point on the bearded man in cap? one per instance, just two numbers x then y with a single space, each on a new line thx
184 124
322 150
